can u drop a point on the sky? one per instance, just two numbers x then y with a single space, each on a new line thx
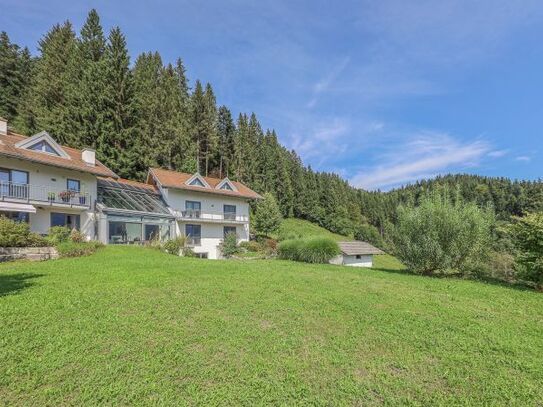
381 92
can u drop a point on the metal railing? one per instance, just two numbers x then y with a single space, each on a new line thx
212 216
27 192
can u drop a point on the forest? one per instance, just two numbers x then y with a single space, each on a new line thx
84 89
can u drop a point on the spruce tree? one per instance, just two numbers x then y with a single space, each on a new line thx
226 131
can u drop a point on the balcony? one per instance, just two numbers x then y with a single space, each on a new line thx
13 192
210 216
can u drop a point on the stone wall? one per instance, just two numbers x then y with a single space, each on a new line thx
27 253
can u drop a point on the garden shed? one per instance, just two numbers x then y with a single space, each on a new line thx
356 254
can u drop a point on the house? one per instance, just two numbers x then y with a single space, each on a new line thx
46 184
205 208
356 254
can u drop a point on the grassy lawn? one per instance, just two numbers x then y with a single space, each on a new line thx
133 326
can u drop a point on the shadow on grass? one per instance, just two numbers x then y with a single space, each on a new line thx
14 283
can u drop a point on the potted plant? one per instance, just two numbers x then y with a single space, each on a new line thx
51 196
66 195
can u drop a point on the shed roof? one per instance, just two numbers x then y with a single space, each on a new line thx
358 247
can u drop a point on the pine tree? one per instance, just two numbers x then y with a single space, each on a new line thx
267 217
211 139
115 145
226 132
55 74
87 98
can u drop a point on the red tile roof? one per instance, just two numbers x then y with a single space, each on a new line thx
8 148
173 179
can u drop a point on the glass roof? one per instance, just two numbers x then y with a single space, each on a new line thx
116 195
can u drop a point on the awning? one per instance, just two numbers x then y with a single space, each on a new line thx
16 207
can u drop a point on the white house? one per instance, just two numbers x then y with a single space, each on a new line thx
356 254
46 184
205 208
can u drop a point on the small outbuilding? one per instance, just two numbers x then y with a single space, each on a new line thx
356 254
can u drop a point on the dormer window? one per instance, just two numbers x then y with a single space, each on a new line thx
44 147
227 187
197 183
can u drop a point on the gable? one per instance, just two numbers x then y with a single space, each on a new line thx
43 143
226 185
197 181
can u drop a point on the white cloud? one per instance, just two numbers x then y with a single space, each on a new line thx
424 156
324 84
497 153
523 158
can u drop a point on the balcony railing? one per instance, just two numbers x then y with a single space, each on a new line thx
212 216
26 192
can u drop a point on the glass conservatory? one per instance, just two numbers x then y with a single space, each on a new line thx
134 214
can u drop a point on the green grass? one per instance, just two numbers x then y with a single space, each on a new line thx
304 229
133 326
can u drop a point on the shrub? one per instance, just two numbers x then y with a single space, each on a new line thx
369 233
441 235
174 246
229 245
527 234
58 234
313 250
18 234
75 249
77 237
251 246
267 218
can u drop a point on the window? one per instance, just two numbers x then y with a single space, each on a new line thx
44 147
201 255
229 229
152 232
192 209
197 182
73 185
16 216
194 234
229 212
358 257
65 219
124 233
13 183
226 186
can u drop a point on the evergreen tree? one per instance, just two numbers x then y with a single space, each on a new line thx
267 217
55 74
226 132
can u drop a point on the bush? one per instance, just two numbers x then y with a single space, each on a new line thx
58 234
77 237
313 250
527 234
369 233
441 235
174 246
251 246
74 249
267 218
18 234
229 245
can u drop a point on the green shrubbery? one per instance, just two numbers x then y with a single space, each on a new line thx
229 245
313 250
527 234
441 235
18 234
77 249
267 218
58 234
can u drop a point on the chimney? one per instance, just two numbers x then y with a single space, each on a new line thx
89 156
3 126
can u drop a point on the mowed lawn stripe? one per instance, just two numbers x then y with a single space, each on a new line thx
131 326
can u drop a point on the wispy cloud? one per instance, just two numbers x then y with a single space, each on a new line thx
425 155
497 153
523 158
324 84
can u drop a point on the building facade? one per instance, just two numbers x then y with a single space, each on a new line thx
48 185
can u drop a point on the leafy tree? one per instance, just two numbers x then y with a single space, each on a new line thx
527 234
267 217
369 233
229 246
441 235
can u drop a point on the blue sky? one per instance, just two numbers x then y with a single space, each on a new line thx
381 92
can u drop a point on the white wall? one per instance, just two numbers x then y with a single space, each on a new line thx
55 179
212 232
364 261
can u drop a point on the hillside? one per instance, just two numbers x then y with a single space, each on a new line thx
134 326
